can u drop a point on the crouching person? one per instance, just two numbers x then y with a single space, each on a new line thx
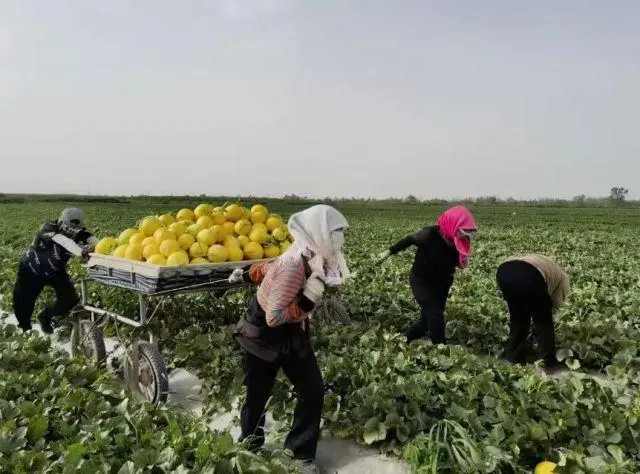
45 264
534 286
274 334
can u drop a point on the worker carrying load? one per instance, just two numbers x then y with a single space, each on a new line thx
45 264
274 334
440 249
534 286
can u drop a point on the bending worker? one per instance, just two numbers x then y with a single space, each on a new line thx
440 249
275 332
534 286
45 264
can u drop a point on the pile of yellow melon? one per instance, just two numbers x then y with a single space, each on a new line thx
206 234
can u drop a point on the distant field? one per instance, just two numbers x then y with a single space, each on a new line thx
380 391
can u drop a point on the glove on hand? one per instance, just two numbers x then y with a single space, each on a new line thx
383 256
314 288
316 264
236 276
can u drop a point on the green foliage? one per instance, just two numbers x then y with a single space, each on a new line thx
443 409
63 416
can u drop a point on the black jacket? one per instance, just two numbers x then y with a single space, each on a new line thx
435 261
51 249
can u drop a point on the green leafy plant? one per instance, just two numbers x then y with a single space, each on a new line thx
455 408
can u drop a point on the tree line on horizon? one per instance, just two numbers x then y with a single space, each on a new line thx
618 196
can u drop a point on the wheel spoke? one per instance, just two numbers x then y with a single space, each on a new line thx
144 379
148 392
87 351
150 381
87 340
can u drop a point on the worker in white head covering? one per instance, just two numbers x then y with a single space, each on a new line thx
274 333
318 233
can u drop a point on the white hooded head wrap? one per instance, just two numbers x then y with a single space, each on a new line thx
319 230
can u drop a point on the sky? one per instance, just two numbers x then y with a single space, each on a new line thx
374 98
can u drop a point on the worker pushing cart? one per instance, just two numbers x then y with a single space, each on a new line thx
45 264
144 367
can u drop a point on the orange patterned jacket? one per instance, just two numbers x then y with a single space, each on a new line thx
280 293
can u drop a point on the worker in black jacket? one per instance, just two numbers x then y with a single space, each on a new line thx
45 264
440 249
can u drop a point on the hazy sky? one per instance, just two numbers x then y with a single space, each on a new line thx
321 98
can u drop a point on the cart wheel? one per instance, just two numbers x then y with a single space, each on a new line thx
152 380
334 311
87 339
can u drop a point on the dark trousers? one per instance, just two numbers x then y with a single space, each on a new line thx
432 303
28 287
525 291
305 375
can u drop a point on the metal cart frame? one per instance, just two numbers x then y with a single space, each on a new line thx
87 336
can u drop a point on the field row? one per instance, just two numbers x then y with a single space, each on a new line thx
421 401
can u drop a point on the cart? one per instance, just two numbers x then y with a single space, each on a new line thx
145 370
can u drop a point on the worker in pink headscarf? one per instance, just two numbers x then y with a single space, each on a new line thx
440 249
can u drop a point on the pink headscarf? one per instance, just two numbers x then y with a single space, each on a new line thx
450 222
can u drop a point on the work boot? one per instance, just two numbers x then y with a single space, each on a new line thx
25 327
46 323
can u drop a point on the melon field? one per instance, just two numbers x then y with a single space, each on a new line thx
449 409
